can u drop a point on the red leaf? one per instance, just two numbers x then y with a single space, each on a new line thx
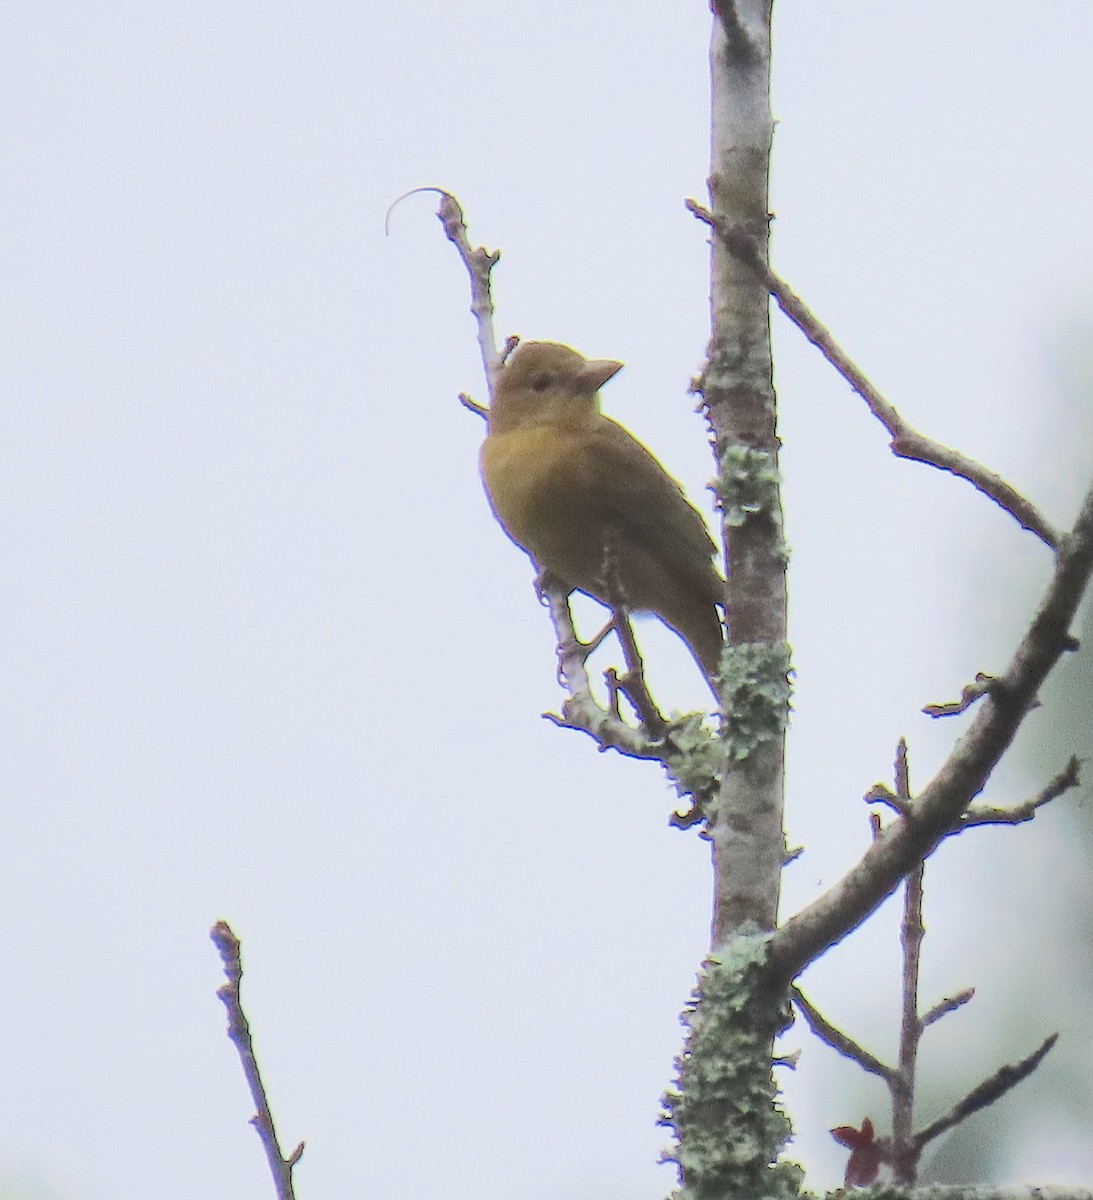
866 1153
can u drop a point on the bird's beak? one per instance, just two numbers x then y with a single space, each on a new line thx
597 371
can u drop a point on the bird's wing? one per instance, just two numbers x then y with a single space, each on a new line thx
645 503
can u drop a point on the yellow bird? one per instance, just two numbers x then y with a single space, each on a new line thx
589 503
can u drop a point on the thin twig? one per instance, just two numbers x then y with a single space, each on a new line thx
906 442
880 793
838 1040
911 932
1068 777
581 711
614 692
943 1007
479 263
1003 1080
572 652
227 944
969 694
471 405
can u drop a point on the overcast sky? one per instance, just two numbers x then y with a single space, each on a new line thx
265 656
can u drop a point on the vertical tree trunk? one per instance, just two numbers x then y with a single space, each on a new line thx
746 821
730 1130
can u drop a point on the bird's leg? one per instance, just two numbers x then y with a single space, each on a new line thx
633 682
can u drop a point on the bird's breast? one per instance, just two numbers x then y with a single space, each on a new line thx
537 483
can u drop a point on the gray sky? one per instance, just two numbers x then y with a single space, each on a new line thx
265 655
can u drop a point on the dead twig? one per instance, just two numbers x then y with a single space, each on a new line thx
227 944
839 1041
1069 777
906 442
471 405
581 710
1002 1081
944 1007
479 262
969 694
903 1150
880 793
911 932
941 803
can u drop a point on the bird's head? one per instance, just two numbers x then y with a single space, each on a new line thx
546 383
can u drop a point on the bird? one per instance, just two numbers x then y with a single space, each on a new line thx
590 505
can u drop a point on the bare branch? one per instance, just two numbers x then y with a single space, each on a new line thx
479 410
911 933
1068 777
838 1040
1002 1081
939 806
946 1006
572 652
227 944
479 263
906 442
903 1151
969 694
880 793
581 710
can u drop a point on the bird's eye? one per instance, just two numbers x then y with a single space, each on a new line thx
541 382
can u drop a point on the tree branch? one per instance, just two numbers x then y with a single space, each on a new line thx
1068 777
940 805
943 1007
1003 1080
969 694
839 1041
581 710
227 944
906 442
911 933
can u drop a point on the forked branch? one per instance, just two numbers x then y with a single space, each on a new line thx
941 806
902 1151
